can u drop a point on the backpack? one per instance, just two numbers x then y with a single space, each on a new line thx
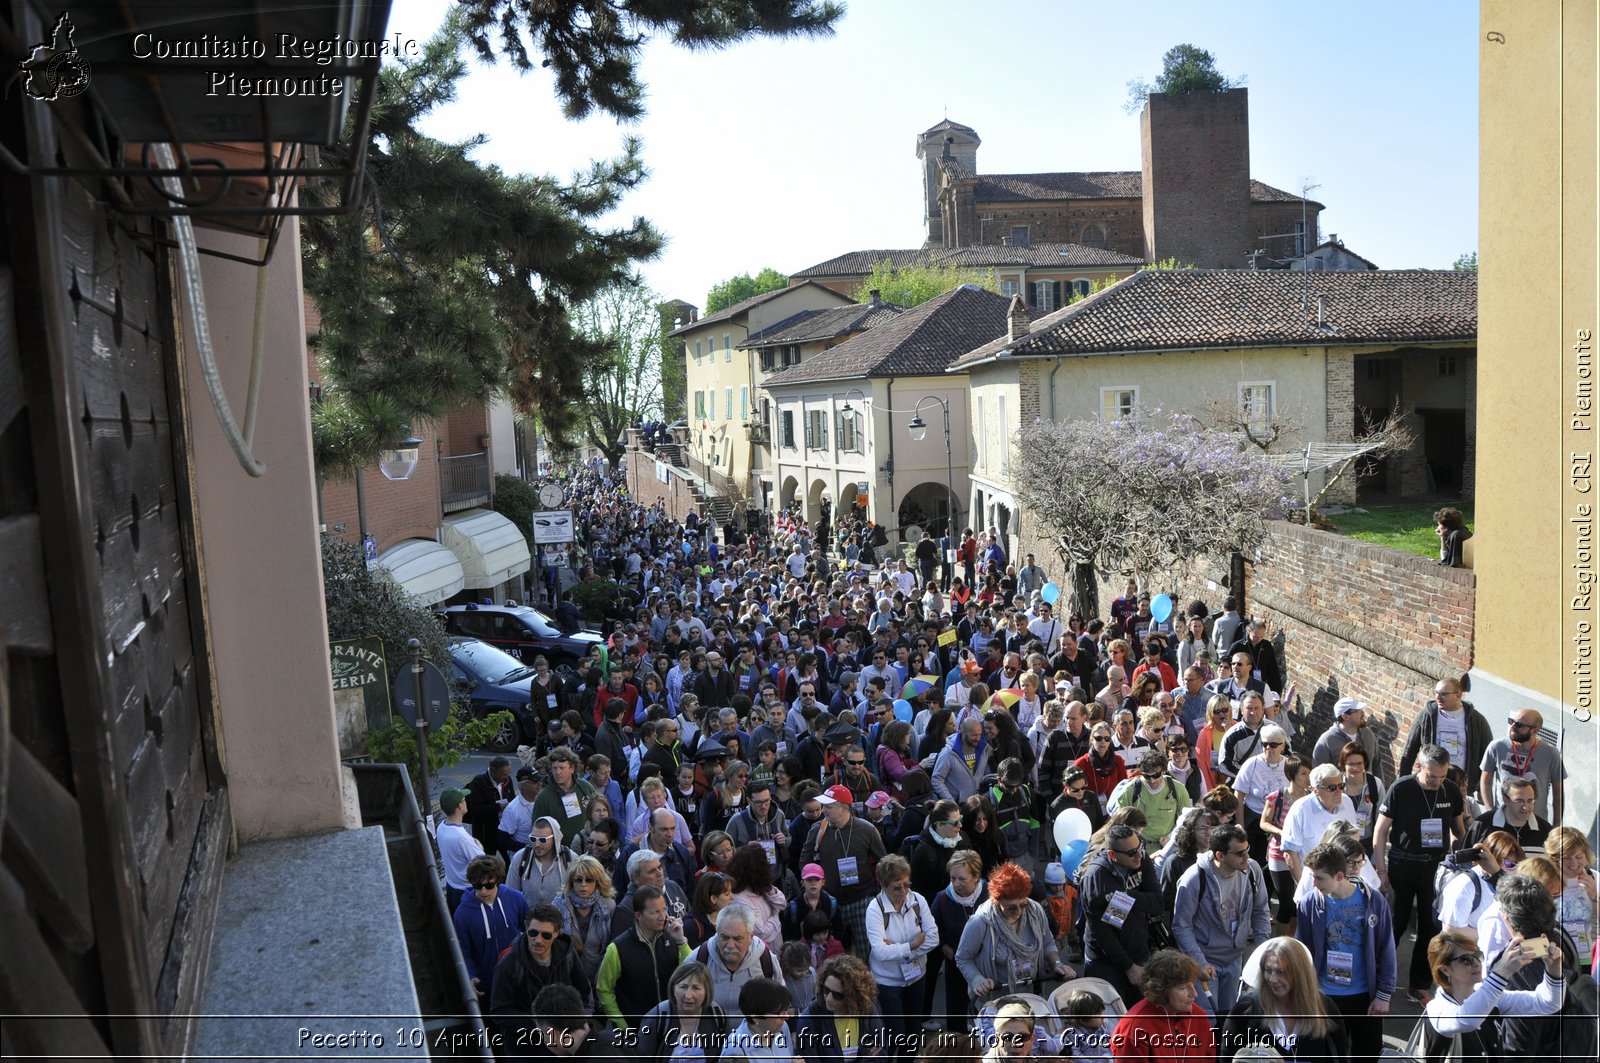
1424 1045
1451 868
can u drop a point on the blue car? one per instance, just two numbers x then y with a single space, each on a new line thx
492 680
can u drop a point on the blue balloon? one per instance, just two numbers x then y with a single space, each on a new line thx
687 549
1161 606
1050 592
1072 857
902 710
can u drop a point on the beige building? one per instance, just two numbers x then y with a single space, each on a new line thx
1263 343
722 378
842 422
1535 544
1045 275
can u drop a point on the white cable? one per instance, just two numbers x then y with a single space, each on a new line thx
189 273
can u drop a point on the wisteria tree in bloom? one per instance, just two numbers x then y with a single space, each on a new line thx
1149 493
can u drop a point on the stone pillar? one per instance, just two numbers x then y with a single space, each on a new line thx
1340 391
1469 458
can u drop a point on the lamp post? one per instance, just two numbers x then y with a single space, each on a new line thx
919 431
397 461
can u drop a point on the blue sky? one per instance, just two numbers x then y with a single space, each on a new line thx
785 153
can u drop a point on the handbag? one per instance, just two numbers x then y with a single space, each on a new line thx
1423 1044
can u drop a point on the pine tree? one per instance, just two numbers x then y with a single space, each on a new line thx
453 281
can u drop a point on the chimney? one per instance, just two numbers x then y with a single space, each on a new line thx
875 296
1018 321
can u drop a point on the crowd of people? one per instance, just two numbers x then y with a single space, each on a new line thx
800 806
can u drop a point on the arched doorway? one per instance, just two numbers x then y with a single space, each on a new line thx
786 494
927 506
815 495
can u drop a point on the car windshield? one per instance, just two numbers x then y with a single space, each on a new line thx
487 663
542 626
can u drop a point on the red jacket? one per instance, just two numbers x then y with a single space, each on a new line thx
1102 782
629 693
1149 1033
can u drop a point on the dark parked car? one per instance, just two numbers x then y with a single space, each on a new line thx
521 631
492 680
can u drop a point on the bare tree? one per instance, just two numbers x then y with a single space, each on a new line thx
1376 439
1267 431
1148 493
625 385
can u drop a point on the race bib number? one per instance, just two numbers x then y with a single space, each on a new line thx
550 701
1117 909
783 749
913 968
1022 971
848 875
1433 833
771 850
1341 967
569 805
1363 818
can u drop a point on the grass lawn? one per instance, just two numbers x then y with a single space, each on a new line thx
1406 527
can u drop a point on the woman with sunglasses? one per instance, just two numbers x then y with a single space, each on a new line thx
1208 741
1260 777
1470 1001
1007 947
1075 793
1467 896
844 1021
1101 766
587 903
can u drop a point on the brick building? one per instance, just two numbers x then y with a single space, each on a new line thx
1193 197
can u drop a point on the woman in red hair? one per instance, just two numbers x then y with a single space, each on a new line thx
1006 947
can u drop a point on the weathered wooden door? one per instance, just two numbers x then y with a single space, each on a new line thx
111 792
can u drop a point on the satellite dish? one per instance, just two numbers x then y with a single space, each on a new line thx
914 532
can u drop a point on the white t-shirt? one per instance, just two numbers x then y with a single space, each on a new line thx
1307 819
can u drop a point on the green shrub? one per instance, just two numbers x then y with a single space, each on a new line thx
460 735
364 602
594 596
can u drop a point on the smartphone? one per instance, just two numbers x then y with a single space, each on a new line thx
1538 947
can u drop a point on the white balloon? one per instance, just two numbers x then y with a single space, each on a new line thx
1072 825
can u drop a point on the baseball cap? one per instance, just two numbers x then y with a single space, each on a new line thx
836 795
1347 705
450 800
878 799
812 871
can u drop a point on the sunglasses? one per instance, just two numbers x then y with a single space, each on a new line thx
1273 745
542 935
1239 852
1332 786
1101 738
1135 852
1076 791
481 886
1467 959
833 993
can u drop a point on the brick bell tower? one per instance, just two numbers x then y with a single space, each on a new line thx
959 143
1196 162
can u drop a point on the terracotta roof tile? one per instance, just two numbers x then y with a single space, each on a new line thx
922 340
729 312
1157 310
809 326
1104 184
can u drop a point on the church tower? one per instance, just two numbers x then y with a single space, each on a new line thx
946 140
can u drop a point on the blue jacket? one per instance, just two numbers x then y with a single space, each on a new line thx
487 930
815 1037
1312 930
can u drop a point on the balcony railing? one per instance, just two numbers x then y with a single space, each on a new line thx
463 481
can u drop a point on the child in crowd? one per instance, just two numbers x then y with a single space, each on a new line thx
1084 1035
766 769
819 937
1060 900
799 973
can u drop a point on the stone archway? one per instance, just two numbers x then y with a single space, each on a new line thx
787 493
926 505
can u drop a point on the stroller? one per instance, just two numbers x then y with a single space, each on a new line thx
1101 988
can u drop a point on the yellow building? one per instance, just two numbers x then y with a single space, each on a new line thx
722 379
1535 543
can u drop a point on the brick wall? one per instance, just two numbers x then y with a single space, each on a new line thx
640 467
1341 415
396 509
1353 619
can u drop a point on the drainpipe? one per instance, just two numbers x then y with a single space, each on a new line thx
1053 373
888 402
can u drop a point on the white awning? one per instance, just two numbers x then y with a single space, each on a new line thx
424 569
490 547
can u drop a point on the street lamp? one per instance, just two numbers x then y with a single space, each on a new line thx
398 460
919 431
